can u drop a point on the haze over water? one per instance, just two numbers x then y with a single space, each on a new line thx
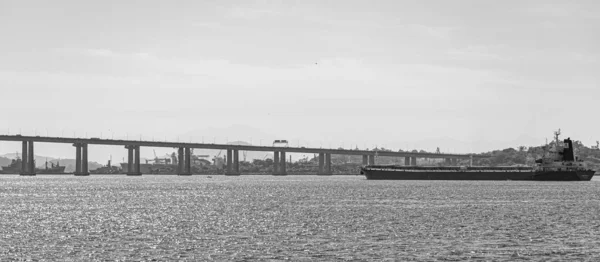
295 217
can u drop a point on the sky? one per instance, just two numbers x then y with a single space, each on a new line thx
467 76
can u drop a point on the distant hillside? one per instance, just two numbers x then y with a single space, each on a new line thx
4 161
527 155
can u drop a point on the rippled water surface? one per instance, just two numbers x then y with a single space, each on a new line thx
296 218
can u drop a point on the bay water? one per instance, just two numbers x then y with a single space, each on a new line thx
298 218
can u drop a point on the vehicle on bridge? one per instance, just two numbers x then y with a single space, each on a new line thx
281 143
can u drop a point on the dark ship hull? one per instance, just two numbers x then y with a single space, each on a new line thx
106 170
10 171
158 169
391 173
53 170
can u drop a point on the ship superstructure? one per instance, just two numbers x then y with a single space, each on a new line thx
13 168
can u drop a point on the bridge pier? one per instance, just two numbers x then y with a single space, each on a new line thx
27 159
233 162
454 161
413 161
324 164
236 161
321 164
371 160
81 159
328 169
282 164
180 160
448 162
188 162
365 161
133 163
407 161
275 163
279 163
184 165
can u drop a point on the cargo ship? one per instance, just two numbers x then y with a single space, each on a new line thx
53 169
558 163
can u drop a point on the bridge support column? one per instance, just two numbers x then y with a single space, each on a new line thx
27 160
137 161
448 161
407 161
233 162
77 158
275 163
471 160
454 161
328 170
81 160
282 164
324 164
413 161
365 160
371 160
129 159
180 160
133 164
84 160
321 164
184 164
31 159
188 161
279 164
229 162
24 157
236 161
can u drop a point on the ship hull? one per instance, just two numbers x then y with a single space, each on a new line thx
11 171
383 174
158 169
56 170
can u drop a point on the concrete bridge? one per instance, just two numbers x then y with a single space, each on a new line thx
184 154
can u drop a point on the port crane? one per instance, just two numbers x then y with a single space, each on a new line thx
159 161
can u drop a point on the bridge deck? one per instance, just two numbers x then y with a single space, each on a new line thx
96 141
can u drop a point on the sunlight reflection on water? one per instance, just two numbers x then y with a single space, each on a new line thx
295 217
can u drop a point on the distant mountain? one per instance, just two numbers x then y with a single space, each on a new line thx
451 145
11 155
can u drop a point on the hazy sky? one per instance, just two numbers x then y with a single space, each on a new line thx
353 72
